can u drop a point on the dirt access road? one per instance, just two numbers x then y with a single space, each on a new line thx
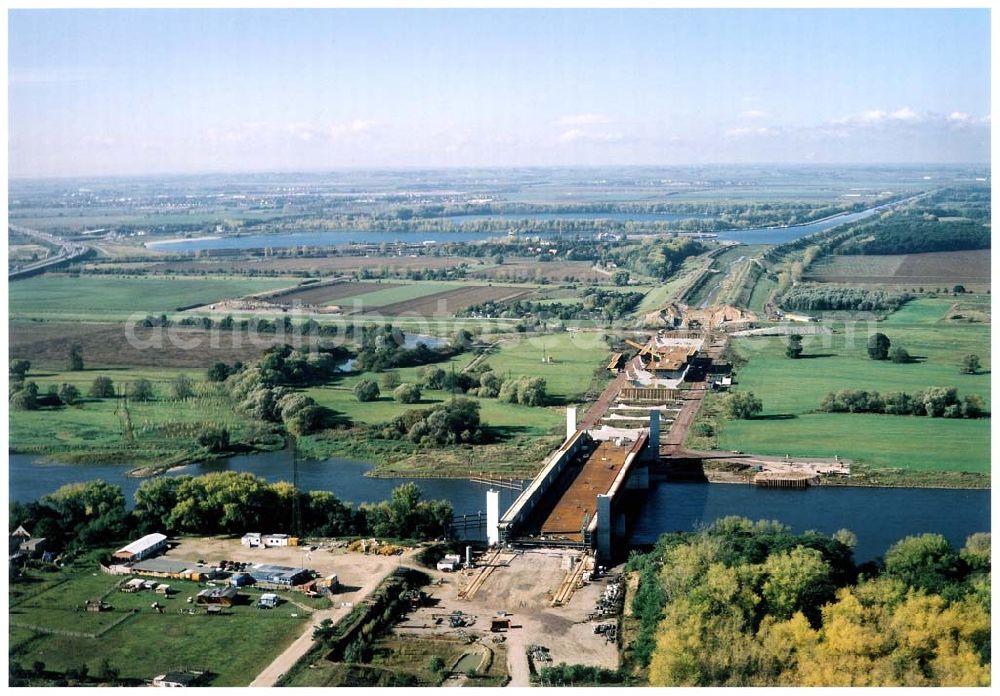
357 574
524 589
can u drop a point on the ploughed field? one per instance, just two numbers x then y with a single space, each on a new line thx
46 344
938 269
328 293
448 302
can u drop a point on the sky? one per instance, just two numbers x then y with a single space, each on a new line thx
117 92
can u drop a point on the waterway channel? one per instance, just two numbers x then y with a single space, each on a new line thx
878 516
762 235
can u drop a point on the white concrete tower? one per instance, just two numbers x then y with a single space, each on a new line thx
570 421
493 517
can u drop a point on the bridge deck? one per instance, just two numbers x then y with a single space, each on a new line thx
595 477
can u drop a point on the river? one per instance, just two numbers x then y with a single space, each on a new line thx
762 235
879 516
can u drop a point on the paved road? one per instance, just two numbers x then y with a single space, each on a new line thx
67 252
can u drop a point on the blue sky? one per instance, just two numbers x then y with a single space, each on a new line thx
134 92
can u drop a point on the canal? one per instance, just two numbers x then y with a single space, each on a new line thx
878 516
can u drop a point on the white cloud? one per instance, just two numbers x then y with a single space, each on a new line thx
904 114
755 113
873 116
302 131
749 132
958 116
583 120
574 135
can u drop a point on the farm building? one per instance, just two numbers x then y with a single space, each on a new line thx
147 546
283 576
223 596
257 540
240 579
35 547
133 585
170 568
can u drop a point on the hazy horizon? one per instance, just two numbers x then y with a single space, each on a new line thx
109 93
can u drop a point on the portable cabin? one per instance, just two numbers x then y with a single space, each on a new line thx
268 601
449 563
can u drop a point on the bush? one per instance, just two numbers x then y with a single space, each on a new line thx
141 390
69 394
75 358
436 664
25 398
878 346
743 405
102 388
182 387
218 372
899 355
366 390
433 377
407 393
794 348
214 439
970 364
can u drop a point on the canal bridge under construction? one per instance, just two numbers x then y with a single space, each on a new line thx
580 497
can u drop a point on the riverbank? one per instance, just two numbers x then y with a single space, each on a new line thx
518 456
861 476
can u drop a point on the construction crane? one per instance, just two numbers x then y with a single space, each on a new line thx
648 348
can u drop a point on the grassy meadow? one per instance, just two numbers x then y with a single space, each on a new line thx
147 644
791 391
54 296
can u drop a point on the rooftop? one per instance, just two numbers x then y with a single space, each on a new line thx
140 545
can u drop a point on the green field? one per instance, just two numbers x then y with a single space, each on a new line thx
164 429
567 377
761 290
574 357
52 296
234 647
792 389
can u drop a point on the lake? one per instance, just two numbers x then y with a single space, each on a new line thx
878 516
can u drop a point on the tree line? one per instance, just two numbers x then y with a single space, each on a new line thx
84 515
916 232
935 402
744 603
596 304
842 299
